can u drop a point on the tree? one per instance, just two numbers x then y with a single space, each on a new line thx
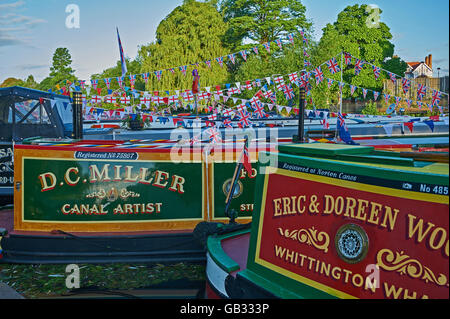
60 71
11 82
261 21
354 33
191 33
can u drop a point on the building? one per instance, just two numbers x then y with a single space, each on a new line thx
420 69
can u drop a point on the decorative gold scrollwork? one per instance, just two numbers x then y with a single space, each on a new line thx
311 236
403 264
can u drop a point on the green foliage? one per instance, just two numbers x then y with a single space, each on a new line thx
261 21
41 281
60 71
370 108
395 65
191 33
351 33
133 67
11 82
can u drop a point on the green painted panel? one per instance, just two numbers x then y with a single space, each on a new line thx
317 149
91 190
244 203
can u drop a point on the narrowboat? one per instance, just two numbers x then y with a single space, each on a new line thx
112 201
339 221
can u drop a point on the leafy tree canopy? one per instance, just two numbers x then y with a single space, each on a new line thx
354 32
261 21
191 33
60 71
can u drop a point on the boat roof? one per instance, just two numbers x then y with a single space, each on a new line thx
30 93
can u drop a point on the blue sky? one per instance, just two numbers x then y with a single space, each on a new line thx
31 30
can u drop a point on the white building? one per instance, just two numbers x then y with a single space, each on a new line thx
420 69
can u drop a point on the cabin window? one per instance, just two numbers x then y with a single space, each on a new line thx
30 112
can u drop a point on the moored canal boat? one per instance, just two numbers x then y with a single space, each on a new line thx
98 201
339 221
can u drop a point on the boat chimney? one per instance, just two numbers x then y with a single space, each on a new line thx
77 116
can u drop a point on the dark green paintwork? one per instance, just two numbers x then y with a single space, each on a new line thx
42 206
223 172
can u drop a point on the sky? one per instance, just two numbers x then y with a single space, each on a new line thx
31 30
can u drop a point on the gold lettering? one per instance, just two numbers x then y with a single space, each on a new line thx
299 207
329 204
277 207
388 215
434 235
96 175
177 184
362 205
350 207
375 209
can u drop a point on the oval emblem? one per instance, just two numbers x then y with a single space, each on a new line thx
351 243
237 190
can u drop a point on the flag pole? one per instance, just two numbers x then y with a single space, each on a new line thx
234 182
340 84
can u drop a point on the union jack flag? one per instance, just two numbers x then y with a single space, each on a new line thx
376 71
386 97
145 77
375 95
419 104
227 123
291 37
342 121
306 63
255 49
421 91
352 89
430 107
333 66
132 80
347 58
364 92
397 100
231 57
244 54
208 63
288 92
242 108
408 102
158 75
120 80
406 85
247 86
227 112
358 66
254 100
82 84
278 42
94 83
107 82
220 61
183 69
244 119
325 123
305 54
318 74
436 97
392 76
267 46
330 82
259 110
